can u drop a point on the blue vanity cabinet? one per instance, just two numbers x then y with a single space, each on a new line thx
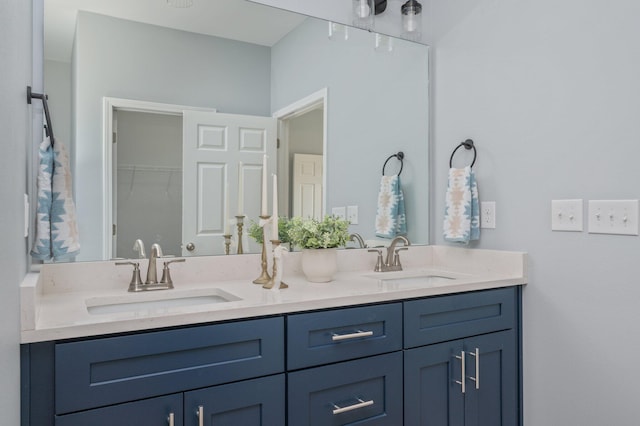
163 410
472 379
345 366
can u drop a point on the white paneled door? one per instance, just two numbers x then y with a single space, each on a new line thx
218 148
307 185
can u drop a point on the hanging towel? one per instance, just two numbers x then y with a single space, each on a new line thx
42 244
56 227
462 212
390 217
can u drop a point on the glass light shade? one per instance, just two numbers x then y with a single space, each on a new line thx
363 13
412 16
338 31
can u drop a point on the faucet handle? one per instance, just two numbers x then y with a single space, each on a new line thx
136 281
166 272
379 261
396 257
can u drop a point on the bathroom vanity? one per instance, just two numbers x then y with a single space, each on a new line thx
437 343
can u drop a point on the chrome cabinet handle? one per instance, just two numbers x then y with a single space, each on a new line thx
476 379
337 337
200 414
337 409
171 419
462 380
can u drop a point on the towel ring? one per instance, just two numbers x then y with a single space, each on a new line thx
468 144
399 156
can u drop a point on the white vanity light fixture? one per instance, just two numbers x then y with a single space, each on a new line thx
411 16
180 3
338 31
383 43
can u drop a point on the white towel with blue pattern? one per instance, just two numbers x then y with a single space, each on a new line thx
56 226
391 220
462 211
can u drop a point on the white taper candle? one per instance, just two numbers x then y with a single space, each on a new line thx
263 210
240 190
274 216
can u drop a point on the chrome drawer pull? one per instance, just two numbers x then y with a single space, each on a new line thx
462 380
476 379
361 404
200 414
171 419
337 337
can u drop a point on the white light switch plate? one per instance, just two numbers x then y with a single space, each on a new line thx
566 215
352 214
339 212
613 217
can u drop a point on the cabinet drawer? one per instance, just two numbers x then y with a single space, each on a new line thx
256 402
148 412
111 370
366 391
440 319
325 337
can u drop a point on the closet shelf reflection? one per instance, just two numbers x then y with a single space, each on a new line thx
141 168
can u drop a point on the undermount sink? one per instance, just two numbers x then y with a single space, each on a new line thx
417 281
157 301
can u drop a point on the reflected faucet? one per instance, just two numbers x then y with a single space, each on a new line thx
355 237
138 246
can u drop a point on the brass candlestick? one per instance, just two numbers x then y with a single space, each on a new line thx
264 275
274 273
240 223
227 243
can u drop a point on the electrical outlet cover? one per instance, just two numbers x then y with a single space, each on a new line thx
488 214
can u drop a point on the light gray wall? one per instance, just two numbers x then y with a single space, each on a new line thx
123 59
57 81
550 92
377 106
15 122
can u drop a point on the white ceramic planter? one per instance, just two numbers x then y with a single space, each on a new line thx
319 265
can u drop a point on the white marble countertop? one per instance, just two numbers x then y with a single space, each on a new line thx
54 302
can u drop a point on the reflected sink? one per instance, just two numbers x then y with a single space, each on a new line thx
150 302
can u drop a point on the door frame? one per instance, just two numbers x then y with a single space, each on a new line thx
302 106
109 104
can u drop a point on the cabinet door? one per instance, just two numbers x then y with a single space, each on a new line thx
495 399
366 391
249 403
432 396
148 412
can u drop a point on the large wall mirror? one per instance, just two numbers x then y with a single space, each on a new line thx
136 88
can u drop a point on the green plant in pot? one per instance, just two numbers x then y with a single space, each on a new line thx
256 231
318 240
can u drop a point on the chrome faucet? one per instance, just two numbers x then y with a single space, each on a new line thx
355 237
392 262
152 273
151 282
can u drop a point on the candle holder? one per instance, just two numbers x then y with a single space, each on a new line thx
274 273
240 224
264 277
227 243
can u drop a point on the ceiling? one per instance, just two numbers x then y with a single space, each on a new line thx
260 24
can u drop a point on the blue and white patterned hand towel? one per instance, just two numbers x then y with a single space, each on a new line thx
462 211
56 226
391 220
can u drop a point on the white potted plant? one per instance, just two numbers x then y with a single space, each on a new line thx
318 240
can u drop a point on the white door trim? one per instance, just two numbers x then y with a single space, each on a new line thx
313 101
109 104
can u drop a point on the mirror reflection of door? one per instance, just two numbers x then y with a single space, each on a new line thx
174 193
307 186
147 187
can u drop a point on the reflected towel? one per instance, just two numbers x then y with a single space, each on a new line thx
462 212
56 227
391 220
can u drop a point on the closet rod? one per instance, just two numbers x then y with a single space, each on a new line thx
43 97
